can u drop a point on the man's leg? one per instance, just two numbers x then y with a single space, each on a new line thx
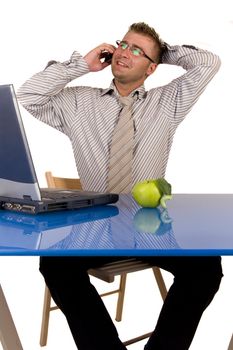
70 287
196 280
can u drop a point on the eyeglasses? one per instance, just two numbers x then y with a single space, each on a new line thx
136 51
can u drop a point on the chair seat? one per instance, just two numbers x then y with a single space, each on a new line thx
107 272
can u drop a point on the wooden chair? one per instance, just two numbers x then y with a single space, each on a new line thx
106 273
8 333
230 347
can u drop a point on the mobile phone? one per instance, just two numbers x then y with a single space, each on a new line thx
106 56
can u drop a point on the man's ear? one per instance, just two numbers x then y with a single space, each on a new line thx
152 67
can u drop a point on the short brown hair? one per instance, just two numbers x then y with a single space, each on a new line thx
145 29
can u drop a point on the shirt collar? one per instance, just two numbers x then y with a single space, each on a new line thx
141 92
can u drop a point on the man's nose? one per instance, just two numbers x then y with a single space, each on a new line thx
126 52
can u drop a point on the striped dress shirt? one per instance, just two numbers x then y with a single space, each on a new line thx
88 115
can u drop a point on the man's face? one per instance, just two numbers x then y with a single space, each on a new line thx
128 68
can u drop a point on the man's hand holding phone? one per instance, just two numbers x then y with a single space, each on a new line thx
106 56
100 57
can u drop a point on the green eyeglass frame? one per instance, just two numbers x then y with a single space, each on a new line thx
136 51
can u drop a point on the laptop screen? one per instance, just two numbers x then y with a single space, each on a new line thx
17 174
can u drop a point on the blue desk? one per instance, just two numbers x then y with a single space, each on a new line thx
193 224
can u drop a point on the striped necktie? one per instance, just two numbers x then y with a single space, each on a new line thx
121 151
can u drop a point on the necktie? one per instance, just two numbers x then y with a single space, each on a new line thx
121 151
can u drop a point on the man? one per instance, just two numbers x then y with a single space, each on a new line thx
88 116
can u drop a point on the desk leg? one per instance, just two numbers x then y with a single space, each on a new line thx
8 333
230 347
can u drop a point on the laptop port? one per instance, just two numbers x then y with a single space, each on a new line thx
28 209
8 206
12 206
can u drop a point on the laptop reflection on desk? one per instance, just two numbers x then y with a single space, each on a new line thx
25 231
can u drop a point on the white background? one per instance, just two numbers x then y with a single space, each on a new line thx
34 32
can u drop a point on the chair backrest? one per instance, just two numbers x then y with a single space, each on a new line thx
62 182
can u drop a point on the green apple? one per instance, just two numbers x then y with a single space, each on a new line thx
146 194
152 193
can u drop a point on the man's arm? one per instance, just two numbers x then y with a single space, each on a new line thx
179 96
46 96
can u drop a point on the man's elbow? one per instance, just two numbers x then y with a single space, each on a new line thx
216 64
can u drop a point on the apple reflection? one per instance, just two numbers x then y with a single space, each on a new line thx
152 220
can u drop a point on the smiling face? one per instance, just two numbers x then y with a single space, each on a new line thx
130 69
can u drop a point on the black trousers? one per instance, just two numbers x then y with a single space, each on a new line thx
196 280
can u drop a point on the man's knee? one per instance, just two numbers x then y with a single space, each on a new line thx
205 278
211 274
63 269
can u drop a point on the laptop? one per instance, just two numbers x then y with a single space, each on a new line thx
19 187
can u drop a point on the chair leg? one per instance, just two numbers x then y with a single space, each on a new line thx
8 334
45 317
163 292
160 282
121 295
231 344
